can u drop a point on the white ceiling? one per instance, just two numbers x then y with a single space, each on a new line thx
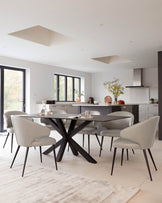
131 29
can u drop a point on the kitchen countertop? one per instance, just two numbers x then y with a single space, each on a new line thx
86 104
100 104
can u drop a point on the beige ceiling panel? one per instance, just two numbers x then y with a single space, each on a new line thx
41 35
112 59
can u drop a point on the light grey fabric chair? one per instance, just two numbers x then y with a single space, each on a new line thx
113 128
10 130
91 129
139 136
29 134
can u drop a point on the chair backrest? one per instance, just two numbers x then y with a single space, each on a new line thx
120 123
8 114
55 111
142 133
92 124
26 131
61 111
93 113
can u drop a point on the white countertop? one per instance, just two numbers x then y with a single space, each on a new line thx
86 104
100 104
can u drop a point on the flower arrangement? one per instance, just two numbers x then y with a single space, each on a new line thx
115 88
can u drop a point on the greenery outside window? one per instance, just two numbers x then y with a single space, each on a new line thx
65 87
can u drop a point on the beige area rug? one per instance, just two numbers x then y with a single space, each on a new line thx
46 185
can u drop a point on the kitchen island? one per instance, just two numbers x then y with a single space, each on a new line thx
106 109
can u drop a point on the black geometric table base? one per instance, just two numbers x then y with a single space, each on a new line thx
59 126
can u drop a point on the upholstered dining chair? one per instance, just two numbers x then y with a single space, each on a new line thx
10 130
114 127
29 134
139 136
91 129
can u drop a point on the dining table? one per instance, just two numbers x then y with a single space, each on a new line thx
67 132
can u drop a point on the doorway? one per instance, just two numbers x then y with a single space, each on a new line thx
12 91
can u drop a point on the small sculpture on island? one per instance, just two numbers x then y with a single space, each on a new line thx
108 100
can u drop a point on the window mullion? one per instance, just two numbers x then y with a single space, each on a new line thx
79 85
73 88
58 82
65 88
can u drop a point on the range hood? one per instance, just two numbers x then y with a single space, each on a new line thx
137 79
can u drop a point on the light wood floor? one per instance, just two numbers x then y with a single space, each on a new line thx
133 173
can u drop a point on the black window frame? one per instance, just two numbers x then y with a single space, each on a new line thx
2 68
73 87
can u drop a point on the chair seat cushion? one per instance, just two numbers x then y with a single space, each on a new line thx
89 130
125 144
10 130
43 141
111 133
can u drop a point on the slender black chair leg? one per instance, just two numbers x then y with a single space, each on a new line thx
97 139
111 143
101 145
54 153
6 139
40 149
122 156
88 144
152 159
127 155
68 147
15 156
11 142
133 151
83 141
27 150
114 155
147 163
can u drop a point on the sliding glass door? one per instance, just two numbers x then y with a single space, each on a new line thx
12 91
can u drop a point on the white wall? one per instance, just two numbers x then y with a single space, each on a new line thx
40 80
133 95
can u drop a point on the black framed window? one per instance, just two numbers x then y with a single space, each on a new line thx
65 87
12 91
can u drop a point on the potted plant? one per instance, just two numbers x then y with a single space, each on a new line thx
78 95
115 88
152 100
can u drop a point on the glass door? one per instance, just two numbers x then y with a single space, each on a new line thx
12 91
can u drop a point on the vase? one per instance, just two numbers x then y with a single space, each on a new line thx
115 99
78 99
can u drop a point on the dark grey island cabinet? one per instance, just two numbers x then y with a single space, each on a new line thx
106 109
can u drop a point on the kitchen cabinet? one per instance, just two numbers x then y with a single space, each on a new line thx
106 109
134 109
147 110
